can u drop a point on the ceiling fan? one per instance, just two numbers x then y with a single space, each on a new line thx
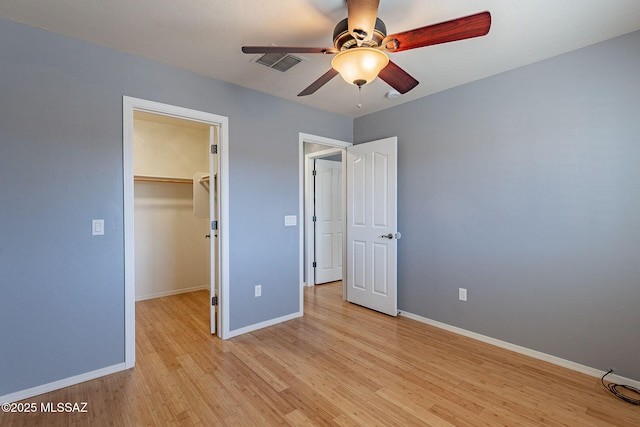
361 45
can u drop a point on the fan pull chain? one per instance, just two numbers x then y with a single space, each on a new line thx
359 104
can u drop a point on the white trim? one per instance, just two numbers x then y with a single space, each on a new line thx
129 105
302 138
66 382
172 292
523 350
223 230
315 139
265 324
129 248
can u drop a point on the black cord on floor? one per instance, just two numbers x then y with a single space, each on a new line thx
616 390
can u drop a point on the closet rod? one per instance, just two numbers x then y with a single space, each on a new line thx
162 179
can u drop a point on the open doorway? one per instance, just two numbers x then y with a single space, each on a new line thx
181 173
312 148
172 214
324 225
369 200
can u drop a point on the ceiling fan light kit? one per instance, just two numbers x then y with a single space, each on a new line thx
361 44
360 65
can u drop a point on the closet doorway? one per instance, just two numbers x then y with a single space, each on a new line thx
175 208
172 186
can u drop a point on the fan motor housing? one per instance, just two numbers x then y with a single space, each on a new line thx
343 40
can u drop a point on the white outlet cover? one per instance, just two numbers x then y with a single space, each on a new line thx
97 227
462 294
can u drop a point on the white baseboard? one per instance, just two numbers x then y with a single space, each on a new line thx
66 382
171 292
261 325
524 350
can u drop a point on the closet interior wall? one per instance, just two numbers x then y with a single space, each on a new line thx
172 254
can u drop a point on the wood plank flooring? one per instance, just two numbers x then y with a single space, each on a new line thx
338 365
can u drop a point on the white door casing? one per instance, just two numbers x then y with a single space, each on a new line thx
329 223
372 225
129 105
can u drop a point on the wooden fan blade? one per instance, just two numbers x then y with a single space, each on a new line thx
457 29
287 49
324 79
397 78
361 16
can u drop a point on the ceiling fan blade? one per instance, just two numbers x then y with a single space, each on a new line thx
362 16
397 78
324 79
457 29
287 49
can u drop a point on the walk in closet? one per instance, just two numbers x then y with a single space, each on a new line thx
172 251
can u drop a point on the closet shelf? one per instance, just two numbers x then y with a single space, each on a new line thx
145 178
206 178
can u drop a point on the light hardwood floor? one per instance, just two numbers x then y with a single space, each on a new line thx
338 365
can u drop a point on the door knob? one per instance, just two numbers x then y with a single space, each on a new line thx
207 236
391 236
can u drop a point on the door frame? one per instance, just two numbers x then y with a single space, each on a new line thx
330 143
129 105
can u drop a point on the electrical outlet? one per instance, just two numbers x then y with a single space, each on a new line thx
462 294
97 227
258 291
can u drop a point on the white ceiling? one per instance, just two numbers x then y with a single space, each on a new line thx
205 36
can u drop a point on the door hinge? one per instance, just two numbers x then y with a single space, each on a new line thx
314 265
214 301
314 218
214 149
315 172
214 225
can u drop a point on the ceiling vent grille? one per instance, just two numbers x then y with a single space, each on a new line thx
278 61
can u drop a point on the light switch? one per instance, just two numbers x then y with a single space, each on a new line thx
97 227
290 220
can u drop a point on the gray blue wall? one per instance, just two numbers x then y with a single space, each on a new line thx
62 290
524 188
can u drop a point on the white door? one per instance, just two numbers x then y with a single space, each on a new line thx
372 225
328 223
214 239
